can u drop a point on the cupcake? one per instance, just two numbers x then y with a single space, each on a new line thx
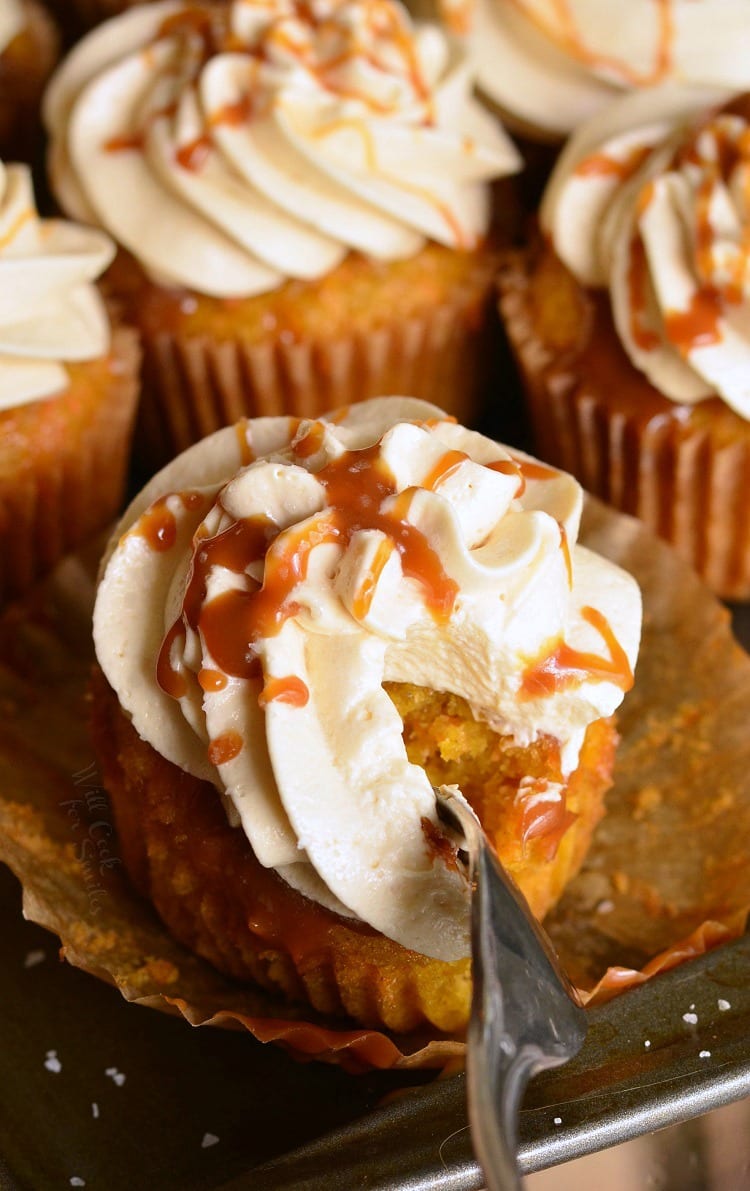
302 199
68 388
28 52
302 626
548 66
630 321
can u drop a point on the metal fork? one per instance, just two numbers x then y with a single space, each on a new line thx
524 1015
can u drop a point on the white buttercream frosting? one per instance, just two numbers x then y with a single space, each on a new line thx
553 63
652 200
230 147
283 570
50 312
11 21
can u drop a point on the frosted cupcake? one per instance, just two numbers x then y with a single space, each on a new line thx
302 198
550 65
303 625
67 388
631 322
28 52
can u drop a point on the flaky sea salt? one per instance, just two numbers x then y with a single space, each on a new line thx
209 1139
76 1182
557 1121
690 1018
116 1076
723 1006
33 958
52 1063
95 1110
705 1054
647 1043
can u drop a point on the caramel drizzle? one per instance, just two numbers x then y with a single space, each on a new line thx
18 223
570 38
290 689
564 668
601 165
225 748
637 279
231 624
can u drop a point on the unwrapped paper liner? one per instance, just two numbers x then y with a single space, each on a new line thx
668 863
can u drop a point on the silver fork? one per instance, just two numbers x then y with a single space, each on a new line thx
524 1014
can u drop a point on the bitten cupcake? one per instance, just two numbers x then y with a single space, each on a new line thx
68 388
29 50
301 626
549 65
630 321
302 197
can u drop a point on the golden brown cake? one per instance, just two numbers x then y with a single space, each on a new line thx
300 662
280 255
626 319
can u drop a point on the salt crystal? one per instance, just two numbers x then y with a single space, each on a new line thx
705 1054
52 1063
209 1139
95 1110
33 958
723 1006
690 1018
647 1043
115 1075
76 1182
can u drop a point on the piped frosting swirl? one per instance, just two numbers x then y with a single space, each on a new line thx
278 573
652 200
232 146
50 312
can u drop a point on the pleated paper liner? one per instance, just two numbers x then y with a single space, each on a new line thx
667 871
683 470
195 385
63 464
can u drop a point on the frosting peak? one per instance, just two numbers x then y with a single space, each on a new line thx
49 310
651 200
266 140
278 573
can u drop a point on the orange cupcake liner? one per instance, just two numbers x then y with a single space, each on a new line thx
683 471
194 386
64 463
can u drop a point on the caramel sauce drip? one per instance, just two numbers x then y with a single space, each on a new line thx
157 526
600 165
362 601
643 335
356 485
531 469
564 667
565 547
192 156
225 748
698 326
506 467
125 142
212 680
247 455
449 462
233 114
439 846
171 680
291 690
311 442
